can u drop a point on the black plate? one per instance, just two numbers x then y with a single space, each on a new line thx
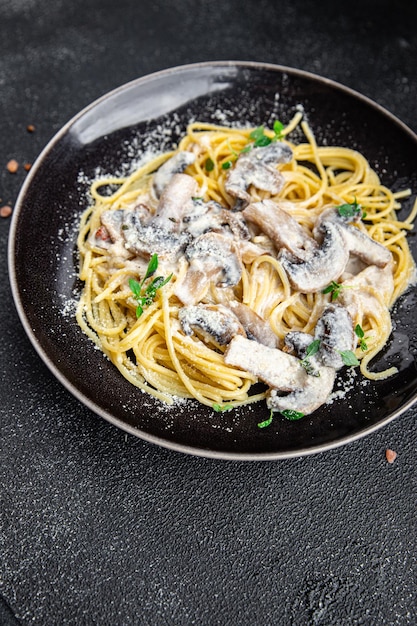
110 135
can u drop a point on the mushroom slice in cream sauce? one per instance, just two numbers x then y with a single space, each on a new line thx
213 258
323 265
255 326
175 165
356 241
290 386
276 222
258 168
215 323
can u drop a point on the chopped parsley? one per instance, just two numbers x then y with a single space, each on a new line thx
349 210
349 358
361 336
333 289
220 408
266 422
261 139
312 349
209 164
147 296
292 415
289 414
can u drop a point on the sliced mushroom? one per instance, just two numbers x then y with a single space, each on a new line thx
255 326
147 239
175 165
358 242
322 266
335 332
258 168
291 387
274 367
113 221
172 205
298 342
203 217
212 258
213 323
281 227
359 295
307 399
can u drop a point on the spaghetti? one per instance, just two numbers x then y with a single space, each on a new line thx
156 351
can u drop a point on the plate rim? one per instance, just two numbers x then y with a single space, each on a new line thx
84 400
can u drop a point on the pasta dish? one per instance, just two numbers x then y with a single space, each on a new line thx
243 267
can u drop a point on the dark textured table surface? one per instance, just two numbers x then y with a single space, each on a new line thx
99 527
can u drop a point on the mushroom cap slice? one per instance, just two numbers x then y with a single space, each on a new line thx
173 202
213 322
324 265
258 168
255 326
213 258
305 400
281 227
358 243
175 165
335 332
291 387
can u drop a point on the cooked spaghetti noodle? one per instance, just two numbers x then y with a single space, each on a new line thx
152 351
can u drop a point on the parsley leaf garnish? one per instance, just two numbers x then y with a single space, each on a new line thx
361 336
278 128
261 139
220 408
312 349
349 210
334 289
147 296
349 358
209 164
292 415
266 422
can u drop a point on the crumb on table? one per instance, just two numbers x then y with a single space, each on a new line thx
390 455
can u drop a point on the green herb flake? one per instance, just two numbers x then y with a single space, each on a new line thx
221 408
349 358
278 128
333 289
266 422
263 141
360 334
152 267
227 165
292 415
349 210
311 350
146 297
209 165
258 135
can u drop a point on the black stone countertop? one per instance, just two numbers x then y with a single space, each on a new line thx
98 527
